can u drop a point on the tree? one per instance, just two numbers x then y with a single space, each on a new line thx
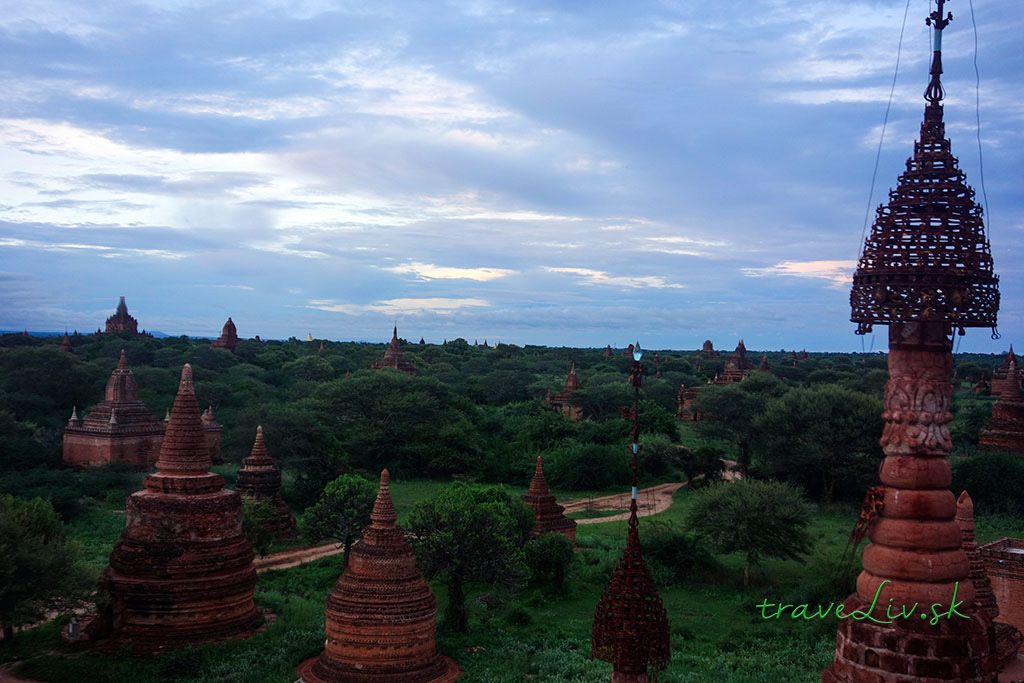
549 557
757 518
702 465
257 516
38 565
342 511
730 411
470 533
823 438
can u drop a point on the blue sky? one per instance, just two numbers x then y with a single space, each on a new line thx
533 172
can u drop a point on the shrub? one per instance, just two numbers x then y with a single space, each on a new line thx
549 557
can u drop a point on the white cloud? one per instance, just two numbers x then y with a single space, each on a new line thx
430 271
600 277
837 273
402 306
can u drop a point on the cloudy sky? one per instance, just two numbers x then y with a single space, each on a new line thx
532 172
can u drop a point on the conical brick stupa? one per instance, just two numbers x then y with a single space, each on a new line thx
182 572
381 614
548 515
260 479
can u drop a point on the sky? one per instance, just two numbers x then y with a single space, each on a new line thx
557 173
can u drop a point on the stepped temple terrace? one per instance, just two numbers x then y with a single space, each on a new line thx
394 358
182 572
121 322
381 613
548 516
926 272
119 429
260 479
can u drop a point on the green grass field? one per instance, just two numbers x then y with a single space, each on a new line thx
717 633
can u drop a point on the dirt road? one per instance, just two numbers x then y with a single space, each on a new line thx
650 501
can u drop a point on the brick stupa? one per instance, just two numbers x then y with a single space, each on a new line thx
381 614
228 338
120 428
182 572
121 322
1002 378
65 344
260 479
563 401
685 410
548 515
1005 429
212 431
394 358
707 350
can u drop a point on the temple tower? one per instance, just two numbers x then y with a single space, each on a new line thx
563 401
926 272
394 358
120 428
212 431
182 572
1005 429
260 479
121 322
65 344
228 338
381 614
548 515
1002 378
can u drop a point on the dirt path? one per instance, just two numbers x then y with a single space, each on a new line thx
7 677
293 558
650 501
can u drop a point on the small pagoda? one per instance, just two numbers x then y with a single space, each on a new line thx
608 352
1005 429
548 516
707 350
120 428
65 344
926 272
121 322
228 338
685 410
764 366
182 572
1003 379
381 614
563 401
394 358
212 431
630 628
260 479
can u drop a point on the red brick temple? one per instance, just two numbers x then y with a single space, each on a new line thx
1003 379
1004 566
764 366
737 367
1005 429
707 350
563 401
394 358
212 431
65 344
120 428
926 272
182 572
608 352
228 338
684 404
121 322
381 614
1008 638
260 479
548 515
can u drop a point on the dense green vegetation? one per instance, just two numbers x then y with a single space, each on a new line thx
476 414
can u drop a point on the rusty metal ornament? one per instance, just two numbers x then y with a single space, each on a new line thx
630 628
927 257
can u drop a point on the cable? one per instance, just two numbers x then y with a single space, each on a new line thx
885 124
977 116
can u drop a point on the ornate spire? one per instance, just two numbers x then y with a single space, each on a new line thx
384 515
184 449
548 515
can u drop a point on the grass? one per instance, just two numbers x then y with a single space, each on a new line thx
717 633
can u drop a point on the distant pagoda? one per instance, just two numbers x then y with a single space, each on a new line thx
65 344
394 358
685 410
737 367
707 350
1005 429
121 322
926 272
228 338
548 515
1002 378
260 479
182 572
764 366
381 614
608 352
563 401
120 428
212 431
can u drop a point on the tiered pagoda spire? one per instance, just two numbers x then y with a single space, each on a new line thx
228 338
926 272
182 572
563 401
394 358
260 479
1005 429
380 616
120 428
212 430
121 322
548 515
1003 380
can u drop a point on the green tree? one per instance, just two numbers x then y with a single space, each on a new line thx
730 411
470 533
756 518
257 516
549 557
342 511
823 438
38 565
702 465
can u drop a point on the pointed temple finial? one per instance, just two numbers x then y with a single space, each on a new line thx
934 92
186 385
394 333
122 363
383 514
